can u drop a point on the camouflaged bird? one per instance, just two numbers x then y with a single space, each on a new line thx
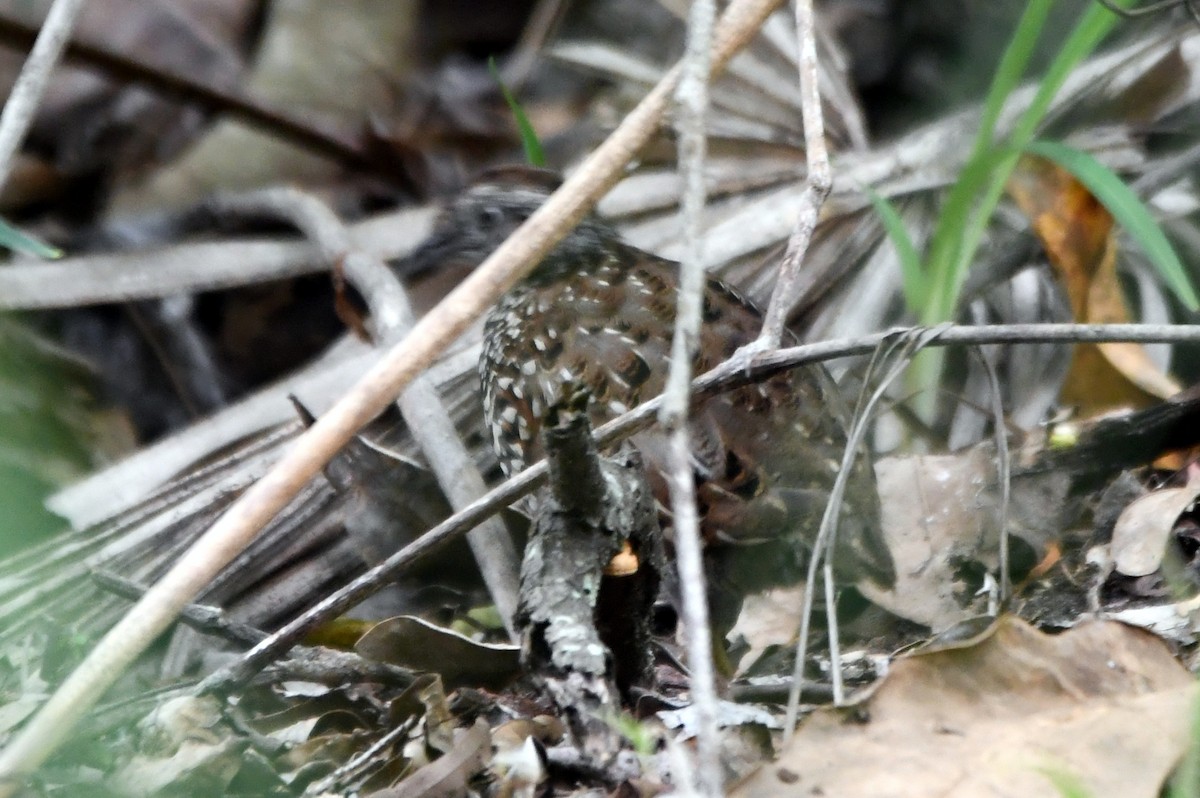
599 313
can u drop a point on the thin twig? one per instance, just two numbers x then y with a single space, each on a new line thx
181 384
818 181
96 279
420 404
335 145
544 18
894 351
362 402
203 618
378 577
835 644
319 663
692 103
1153 8
727 376
864 411
327 785
1003 468
31 84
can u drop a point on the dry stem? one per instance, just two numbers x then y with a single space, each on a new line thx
31 84
692 102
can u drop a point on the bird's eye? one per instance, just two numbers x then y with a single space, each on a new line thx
490 217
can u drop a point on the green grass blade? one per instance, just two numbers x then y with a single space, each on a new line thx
1091 29
1066 783
916 287
949 268
529 139
14 239
945 247
973 198
944 272
1129 211
1185 783
1011 67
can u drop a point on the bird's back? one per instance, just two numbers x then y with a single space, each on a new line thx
765 455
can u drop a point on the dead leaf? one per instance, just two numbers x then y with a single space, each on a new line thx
518 768
439 719
448 775
1104 703
1077 234
1144 528
88 121
767 619
328 750
182 741
301 65
935 519
1171 622
419 645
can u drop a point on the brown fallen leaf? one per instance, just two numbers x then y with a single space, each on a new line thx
1144 528
1104 704
449 775
937 514
1077 234
419 645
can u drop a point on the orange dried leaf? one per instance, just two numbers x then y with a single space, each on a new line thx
1077 234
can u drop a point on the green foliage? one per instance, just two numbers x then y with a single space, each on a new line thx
933 287
14 239
39 448
642 737
529 139
28 452
950 250
1127 208
1186 781
916 287
1068 784
973 198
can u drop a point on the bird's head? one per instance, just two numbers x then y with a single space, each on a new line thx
477 221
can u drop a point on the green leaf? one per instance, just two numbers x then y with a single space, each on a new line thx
529 139
973 199
1012 66
1129 211
916 286
975 195
1068 784
950 251
1093 26
947 261
14 239
1186 781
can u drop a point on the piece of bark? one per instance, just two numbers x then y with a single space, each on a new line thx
586 632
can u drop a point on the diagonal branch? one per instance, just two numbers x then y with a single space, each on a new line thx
420 404
316 138
31 84
725 377
362 402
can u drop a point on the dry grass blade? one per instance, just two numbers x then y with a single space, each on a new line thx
26 95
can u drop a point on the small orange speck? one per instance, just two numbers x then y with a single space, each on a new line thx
623 563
